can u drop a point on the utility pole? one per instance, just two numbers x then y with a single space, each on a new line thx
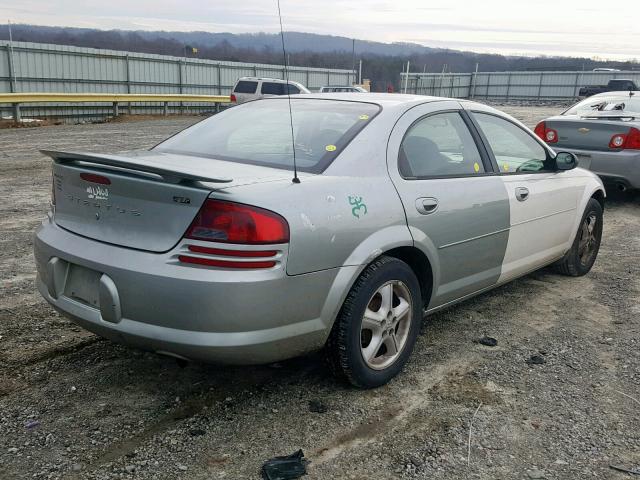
360 73
475 81
353 57
12 73
406 78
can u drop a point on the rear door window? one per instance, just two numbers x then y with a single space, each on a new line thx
246 86
293 90
272 88
515 150
439 145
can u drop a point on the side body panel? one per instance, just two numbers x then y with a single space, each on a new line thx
541 221
542 225
467 234
343 216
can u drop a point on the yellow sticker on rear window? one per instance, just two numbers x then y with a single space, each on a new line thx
505 167
330 148
364 117
476 167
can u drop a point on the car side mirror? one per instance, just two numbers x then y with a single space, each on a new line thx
566 161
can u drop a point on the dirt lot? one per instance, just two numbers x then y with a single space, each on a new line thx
74 406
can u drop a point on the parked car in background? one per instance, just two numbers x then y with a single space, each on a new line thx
342 88
252 88
604 69
603 131
615 85
204 248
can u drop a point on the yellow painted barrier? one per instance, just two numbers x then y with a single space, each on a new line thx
109 98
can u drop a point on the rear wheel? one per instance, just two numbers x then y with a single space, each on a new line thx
377 326
582 255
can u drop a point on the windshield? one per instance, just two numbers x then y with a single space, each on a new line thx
259 133
606 103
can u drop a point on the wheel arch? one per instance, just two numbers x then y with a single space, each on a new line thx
421 266
599 195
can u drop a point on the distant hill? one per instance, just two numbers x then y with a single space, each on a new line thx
382 62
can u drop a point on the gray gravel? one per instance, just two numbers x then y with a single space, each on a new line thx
76 407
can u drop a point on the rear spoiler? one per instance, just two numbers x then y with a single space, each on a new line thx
612 116
167 172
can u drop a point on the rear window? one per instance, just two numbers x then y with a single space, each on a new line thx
246 86
259 133
606 103
621 83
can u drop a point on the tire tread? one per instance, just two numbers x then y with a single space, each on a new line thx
336 355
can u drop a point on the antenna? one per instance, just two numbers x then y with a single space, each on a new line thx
286 71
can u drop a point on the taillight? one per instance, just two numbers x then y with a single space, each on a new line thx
233 98
94 178
626 141
212 262
232 253
617 141
548 135
228 222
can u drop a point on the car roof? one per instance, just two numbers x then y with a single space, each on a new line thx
391 101
279 80
383 99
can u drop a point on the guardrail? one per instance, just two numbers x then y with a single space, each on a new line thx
16 99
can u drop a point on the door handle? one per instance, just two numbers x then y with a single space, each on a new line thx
427 205
522 193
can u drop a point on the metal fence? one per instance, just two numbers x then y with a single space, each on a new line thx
35 67
509 85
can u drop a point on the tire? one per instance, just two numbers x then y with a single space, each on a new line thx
582 255
392 336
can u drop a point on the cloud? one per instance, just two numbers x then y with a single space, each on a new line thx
572 27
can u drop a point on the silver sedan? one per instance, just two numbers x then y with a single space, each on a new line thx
210 246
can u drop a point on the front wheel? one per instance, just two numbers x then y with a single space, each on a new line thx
582 255
377 326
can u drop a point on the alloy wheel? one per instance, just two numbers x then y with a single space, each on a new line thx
587 242
386 324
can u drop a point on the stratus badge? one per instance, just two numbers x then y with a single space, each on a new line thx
97 193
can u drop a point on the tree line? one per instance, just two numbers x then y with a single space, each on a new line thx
382 69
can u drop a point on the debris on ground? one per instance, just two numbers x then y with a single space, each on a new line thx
535 474
635 471
536 360
316 406
487 341
31 424
285 468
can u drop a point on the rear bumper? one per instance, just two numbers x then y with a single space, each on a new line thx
618 167
150 301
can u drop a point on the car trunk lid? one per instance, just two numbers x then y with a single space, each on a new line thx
142 200
588 133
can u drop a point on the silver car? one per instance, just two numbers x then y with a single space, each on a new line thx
603 131
210 247
342 89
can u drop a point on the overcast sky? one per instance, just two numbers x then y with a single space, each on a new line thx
550 27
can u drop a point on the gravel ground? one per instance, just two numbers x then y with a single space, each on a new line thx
74 406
